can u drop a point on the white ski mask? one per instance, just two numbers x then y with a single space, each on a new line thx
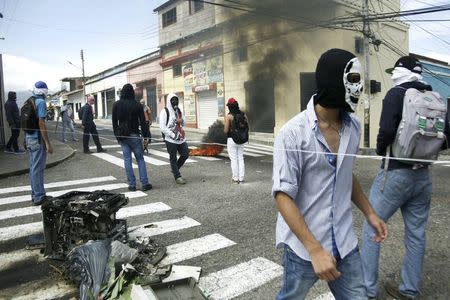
353 82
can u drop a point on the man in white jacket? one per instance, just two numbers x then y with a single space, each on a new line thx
171 123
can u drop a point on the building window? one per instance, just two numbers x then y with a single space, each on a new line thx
176 70
240 54
195 6
169 17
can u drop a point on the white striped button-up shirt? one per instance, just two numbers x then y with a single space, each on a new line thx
321 190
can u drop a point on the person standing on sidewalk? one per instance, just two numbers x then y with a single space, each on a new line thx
127 116
38 145
171 122
67 121
235 148
314 186
13 118
406 187
89 127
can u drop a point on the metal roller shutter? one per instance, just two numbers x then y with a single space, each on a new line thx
207 109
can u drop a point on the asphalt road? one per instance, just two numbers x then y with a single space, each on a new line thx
241 218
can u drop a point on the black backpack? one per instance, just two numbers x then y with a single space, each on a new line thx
29 120
239 129
167 121
80 113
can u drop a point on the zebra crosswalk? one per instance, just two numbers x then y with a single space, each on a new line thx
161 157
220 284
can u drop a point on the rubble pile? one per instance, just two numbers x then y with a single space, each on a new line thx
81 229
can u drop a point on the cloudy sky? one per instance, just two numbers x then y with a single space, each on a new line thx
41 39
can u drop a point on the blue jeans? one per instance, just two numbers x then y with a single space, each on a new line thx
409 190
37 157
69 124
176 164
299 277
133 144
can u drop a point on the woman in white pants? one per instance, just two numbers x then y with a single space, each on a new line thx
235 150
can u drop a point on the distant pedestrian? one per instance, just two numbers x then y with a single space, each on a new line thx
89 127
38 144
13 118
171 123
400 185
148 117
127 116
314 186
67 121
235 147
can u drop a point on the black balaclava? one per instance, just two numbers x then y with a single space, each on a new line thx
174 103
127 92
329 79
234 108
12 96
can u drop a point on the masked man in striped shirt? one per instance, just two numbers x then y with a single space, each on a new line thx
314 186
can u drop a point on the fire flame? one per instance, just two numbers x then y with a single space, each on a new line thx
206 150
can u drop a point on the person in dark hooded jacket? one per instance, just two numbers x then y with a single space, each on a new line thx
127 117
13 118
314 186
406 187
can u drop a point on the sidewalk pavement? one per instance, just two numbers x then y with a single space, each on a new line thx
15 164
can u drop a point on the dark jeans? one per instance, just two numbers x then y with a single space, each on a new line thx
90 130
12 142
175 164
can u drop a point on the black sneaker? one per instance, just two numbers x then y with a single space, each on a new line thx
132 188
395 292
101 150
88 152
46 198
9 150
147 187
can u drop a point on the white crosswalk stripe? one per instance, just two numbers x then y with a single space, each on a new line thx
253 150
162 227
58 184
249 150
220 284
196 247
166 155
24 198
152 160
236 280
22 230
112 159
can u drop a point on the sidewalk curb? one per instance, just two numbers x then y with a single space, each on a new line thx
48 165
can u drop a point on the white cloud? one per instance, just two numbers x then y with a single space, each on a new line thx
20 73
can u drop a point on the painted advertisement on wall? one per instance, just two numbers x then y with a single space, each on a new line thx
189 96
202 75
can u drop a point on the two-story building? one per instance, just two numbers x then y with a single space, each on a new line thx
74 94
191 52
264 54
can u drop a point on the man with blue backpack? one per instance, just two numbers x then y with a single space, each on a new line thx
413 129
33 114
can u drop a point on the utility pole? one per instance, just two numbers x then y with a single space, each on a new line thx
82 70
366 33
2 105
